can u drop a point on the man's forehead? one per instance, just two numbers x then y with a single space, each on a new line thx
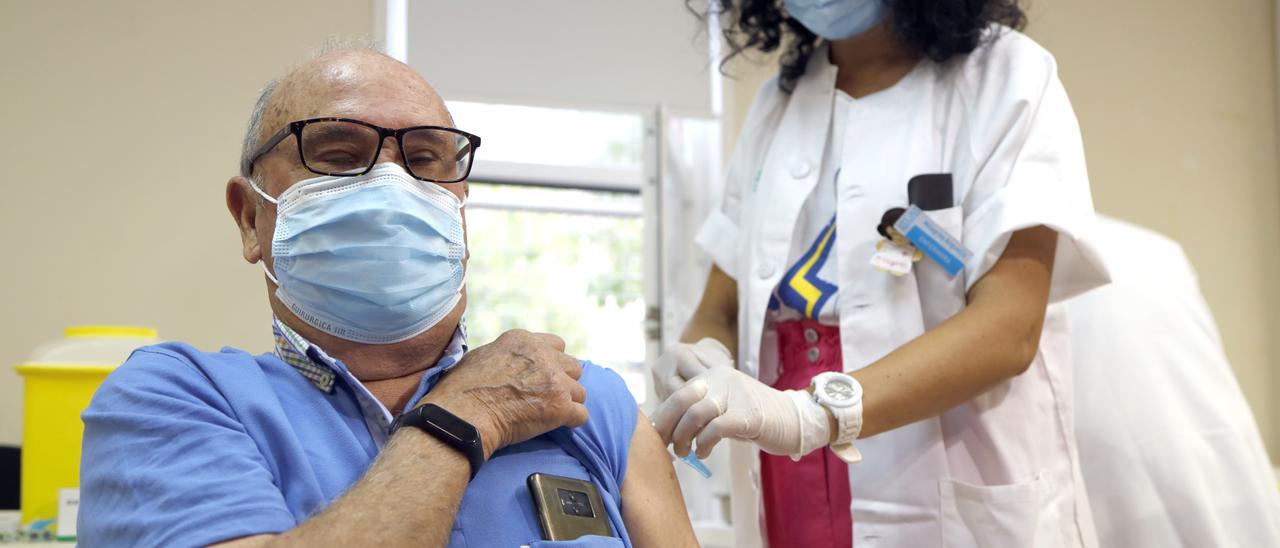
365 85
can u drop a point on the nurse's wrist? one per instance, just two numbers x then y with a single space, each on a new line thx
833 426
815 423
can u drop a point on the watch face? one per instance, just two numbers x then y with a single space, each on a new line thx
838 391
450 424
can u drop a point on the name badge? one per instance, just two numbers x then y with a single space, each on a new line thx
936 243
894 258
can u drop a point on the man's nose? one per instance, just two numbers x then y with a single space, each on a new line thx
390 152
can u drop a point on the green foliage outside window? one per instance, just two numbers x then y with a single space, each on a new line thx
577 276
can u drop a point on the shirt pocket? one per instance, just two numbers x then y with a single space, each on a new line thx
586 541
995 515
941 296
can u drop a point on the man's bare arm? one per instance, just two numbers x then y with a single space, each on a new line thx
652 506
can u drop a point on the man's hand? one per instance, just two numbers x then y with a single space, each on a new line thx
517 387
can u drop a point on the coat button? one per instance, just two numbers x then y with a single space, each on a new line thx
800 169
814 354
810 336
766 270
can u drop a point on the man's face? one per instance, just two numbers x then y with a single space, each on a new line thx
359 85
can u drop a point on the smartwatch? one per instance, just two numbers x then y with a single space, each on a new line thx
446 427
842 394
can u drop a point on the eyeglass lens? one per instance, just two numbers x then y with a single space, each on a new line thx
336 147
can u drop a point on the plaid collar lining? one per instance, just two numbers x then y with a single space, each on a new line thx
318 367
292 348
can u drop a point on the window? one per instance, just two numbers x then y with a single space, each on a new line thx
516 134
555 225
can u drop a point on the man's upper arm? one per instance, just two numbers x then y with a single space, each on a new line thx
165 461
652 505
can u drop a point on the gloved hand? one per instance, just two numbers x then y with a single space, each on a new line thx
726 403
684 361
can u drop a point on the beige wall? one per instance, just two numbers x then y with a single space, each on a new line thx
1177 103
122 122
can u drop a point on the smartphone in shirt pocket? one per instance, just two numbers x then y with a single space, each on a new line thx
568 508
941 296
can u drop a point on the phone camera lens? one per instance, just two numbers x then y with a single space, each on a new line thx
575 503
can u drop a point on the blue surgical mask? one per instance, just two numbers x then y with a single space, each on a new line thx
836 19
375 258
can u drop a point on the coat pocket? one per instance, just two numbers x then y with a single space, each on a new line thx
993 516
941 296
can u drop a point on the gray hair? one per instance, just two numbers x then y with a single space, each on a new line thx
253 134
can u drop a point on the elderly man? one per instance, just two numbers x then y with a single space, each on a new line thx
369 424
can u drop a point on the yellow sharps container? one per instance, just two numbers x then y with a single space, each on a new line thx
59 380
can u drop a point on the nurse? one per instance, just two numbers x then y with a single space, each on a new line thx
924 408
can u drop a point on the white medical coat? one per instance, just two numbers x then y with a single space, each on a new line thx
1169 449
1000 470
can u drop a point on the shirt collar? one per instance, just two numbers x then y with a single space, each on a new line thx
321 369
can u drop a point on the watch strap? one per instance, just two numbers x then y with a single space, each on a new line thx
448 428
849 422
847 453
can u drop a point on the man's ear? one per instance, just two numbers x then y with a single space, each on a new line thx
242 202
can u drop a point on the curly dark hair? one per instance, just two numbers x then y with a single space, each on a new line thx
937 29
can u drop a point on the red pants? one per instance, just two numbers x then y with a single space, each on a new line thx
806 502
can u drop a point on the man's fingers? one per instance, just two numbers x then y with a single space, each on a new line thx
577 416
698 415
570 365
551 340
672 410
577 392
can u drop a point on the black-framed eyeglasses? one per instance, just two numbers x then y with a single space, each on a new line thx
347 147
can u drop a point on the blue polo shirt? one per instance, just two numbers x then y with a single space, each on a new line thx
190 448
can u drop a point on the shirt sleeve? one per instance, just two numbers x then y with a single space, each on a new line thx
166 463
612 415
719 233
1029 165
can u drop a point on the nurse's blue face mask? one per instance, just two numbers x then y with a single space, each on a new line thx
836 19
373 258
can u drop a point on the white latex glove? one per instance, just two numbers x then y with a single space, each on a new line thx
684 361
727 403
